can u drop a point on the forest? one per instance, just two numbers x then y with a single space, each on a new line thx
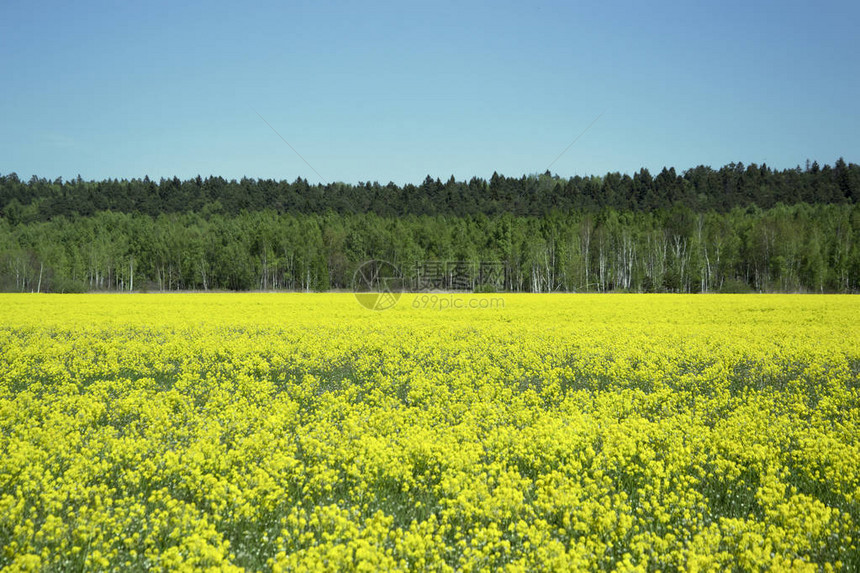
700 189
736 229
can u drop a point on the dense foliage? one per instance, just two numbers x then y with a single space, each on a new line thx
733 229
303 432
810 248
700 189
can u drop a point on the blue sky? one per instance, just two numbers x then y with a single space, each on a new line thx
398 90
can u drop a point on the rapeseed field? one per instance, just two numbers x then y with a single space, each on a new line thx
551 432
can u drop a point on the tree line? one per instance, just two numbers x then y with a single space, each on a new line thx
797 248
699 189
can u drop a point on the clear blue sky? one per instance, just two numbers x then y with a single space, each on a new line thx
395 91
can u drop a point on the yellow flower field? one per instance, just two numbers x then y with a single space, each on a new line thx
552 432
